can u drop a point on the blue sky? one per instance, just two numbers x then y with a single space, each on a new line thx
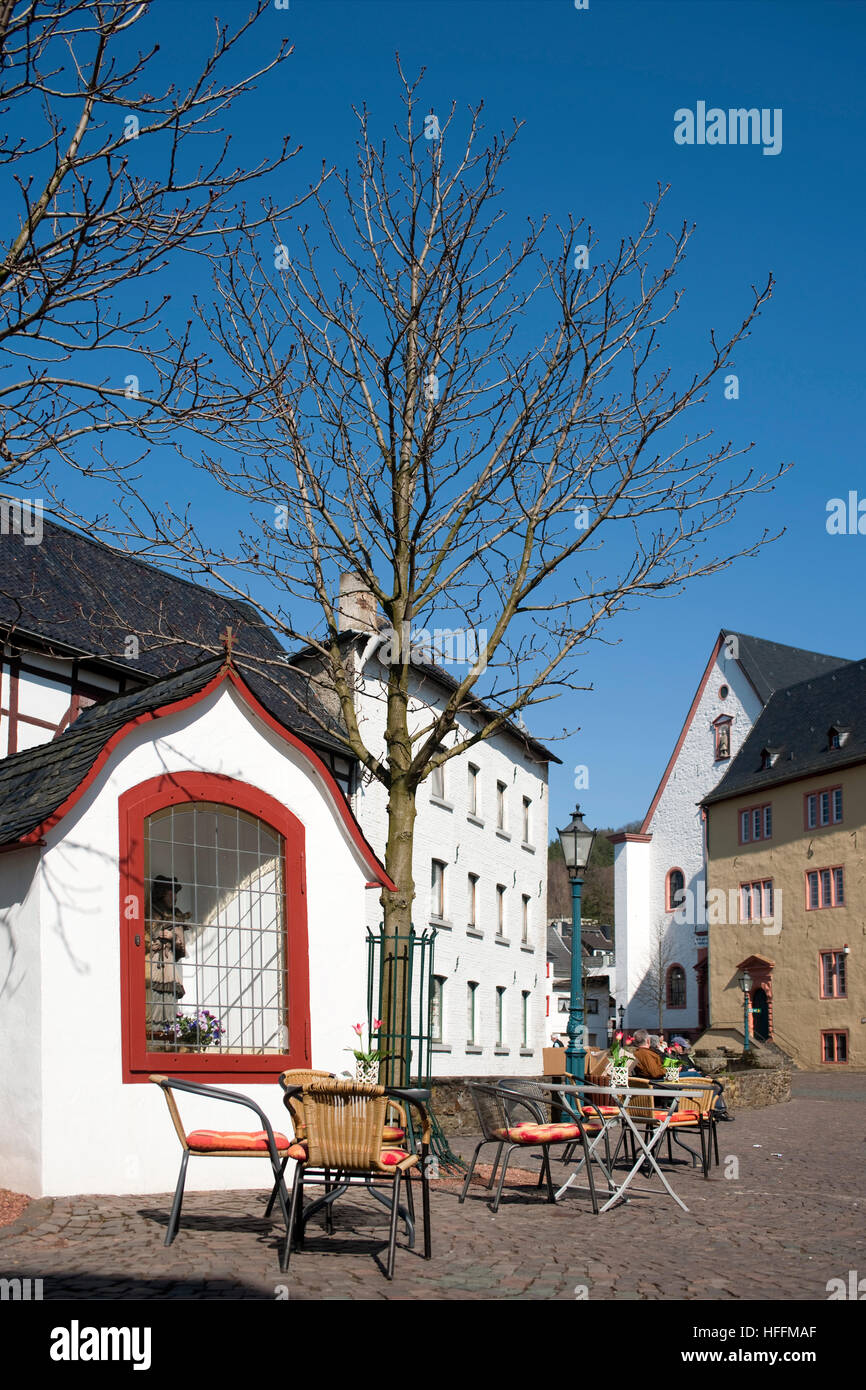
597 90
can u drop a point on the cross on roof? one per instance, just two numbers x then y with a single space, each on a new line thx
228 640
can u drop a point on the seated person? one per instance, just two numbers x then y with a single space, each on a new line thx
647 1061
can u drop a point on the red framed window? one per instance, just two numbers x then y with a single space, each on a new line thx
834 1046
676 987
825 888
833 975
675 889
214 952
756 900
756 823
823 807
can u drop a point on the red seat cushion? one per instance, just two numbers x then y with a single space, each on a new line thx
680 1117
528 1133
390 1157
392 1134
602 1109
236 1141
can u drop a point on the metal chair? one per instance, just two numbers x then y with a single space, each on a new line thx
497 1108
213 1143
690 1115
345 1145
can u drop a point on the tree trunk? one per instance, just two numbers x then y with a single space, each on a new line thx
397 907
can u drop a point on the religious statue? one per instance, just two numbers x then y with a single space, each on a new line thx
165 946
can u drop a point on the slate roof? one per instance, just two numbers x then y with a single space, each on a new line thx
35 782
81 595
796 722
770 666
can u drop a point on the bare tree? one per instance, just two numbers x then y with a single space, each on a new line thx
460 423
104 185
652 989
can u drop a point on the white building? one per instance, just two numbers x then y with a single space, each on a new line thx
599 983
659 871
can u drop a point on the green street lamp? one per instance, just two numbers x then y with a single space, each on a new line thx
577 841
745 981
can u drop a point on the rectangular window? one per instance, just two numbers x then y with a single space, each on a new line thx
437 782
524 930
474 801
524 1019
471 1014
472 909
500 910
756 823
822 808
756 901
437 889
500 1015
526 821
825 888
437 989
500 805
834 1047
592 1005
833 981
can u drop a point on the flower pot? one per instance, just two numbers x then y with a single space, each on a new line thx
367 1073
619 1075
672 1073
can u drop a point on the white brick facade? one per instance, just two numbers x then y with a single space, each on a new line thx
448 832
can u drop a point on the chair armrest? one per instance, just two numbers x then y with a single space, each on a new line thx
196 1088
415 1097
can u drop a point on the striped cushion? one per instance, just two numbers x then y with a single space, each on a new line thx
681 1117
237 1141
389 1157
392 1134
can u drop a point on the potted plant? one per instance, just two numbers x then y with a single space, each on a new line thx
672 1064
367 1062
620 1061
194 1032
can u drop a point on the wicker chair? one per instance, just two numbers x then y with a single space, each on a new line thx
213 1143
346 1124
498 1109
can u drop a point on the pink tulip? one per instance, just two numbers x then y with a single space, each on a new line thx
618 1037
358 1028
377 1024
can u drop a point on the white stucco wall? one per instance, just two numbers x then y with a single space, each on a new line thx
21 1079
97 1133
447 832
677 842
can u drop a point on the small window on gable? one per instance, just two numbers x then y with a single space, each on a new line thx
676 890
769 757
837 736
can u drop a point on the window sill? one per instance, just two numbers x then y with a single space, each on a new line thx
475 820
502 1052
530 849
474 1050
502 941
529 949
440 1047
503 834
527 1052
437 801
442 923
473 931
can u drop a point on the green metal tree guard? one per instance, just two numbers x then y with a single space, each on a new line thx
399 994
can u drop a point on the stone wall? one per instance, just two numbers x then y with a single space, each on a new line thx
750 1089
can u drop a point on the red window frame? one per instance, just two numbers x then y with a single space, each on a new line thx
751 811
835 899
836 994
763 915
818 793
176 789
835 1033
670 905
668 995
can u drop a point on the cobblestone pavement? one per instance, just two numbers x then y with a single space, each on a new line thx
787 1219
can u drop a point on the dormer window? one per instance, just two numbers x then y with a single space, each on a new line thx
837 736
722 732
769 757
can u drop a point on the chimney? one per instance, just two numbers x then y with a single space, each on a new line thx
356 606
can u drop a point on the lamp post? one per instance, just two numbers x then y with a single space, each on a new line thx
576 840
745 980
622 1018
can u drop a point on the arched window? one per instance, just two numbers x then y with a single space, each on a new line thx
214 933
676 987
676 889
